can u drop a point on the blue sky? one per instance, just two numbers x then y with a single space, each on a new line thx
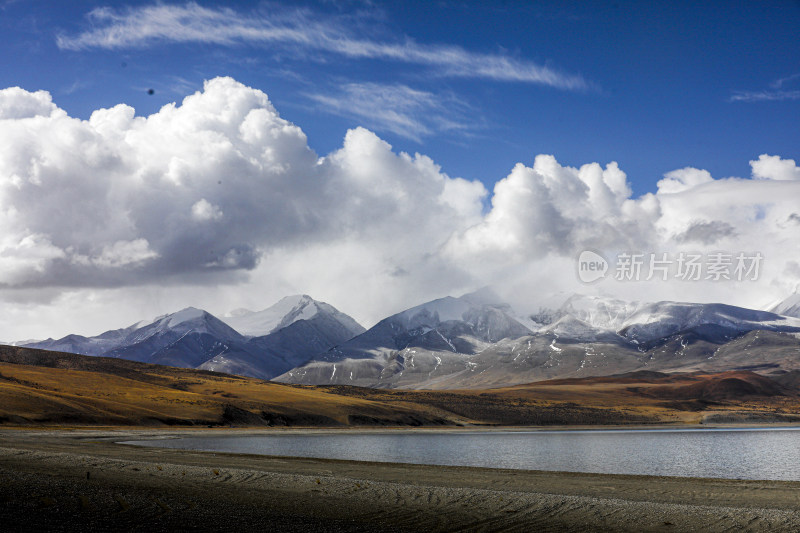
216 197
660 85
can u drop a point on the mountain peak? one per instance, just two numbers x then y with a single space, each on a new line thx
184 315
183 321
170 320
285 312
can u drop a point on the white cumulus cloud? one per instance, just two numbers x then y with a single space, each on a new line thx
218 202
683 179
201 188
772 167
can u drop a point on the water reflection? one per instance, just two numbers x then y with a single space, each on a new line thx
768 453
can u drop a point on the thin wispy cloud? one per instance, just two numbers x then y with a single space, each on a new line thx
777 92
75 86
396 108
765 96
779 83
180 85
302 32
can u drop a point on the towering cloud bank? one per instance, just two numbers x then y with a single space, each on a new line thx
204 187
221 189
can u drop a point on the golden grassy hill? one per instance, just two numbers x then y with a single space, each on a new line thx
53 388
58 388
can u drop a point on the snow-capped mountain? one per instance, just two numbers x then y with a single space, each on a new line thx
193 338
714 321
582 318
477 341
187 338
569 328
299 328
599 312
602 313
434 338
287 311
473 341
788 307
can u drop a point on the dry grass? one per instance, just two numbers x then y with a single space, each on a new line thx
56 395
38 387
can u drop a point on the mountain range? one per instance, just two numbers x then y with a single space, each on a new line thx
477 341
193 338
473 341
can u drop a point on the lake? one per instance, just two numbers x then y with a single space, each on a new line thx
751 453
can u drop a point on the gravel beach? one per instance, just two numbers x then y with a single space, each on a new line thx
67 480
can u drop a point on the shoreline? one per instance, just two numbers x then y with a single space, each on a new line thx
79 477
257 430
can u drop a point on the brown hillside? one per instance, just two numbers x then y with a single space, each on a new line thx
726 386
42 387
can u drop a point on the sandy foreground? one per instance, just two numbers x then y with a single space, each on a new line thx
66 480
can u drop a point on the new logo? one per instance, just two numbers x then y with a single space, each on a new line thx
591 266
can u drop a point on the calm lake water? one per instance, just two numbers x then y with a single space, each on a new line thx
769 453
